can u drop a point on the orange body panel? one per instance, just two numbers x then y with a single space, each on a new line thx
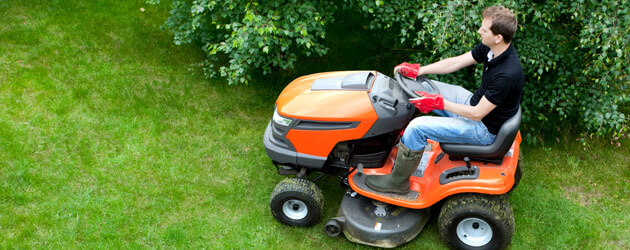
493 178
320 143
301 102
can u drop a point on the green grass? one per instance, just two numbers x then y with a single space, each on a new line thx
109 139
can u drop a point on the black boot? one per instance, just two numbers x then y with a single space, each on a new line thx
397 181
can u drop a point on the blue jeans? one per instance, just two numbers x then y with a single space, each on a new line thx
448 127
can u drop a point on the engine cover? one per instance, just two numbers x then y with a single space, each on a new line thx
328 108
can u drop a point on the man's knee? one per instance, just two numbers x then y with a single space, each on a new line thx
419 124
415 136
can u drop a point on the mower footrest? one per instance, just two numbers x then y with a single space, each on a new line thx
359 180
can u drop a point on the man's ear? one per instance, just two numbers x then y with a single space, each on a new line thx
498 39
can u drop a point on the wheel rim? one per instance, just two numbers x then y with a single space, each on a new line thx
474 232
295 209
332 230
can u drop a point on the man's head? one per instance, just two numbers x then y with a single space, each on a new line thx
498 25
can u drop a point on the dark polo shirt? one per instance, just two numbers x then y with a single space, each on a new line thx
501 83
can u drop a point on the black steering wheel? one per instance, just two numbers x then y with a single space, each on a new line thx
420 80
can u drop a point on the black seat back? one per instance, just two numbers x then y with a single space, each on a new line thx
494 151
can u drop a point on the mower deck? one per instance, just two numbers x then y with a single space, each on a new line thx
378 224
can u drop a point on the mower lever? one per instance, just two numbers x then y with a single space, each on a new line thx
467 161
386 102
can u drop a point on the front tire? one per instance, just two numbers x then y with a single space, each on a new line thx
297 202
477 221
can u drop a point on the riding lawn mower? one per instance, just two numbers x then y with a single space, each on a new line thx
348 124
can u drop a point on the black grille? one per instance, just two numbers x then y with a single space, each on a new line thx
277 137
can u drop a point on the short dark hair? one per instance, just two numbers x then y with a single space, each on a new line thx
503 21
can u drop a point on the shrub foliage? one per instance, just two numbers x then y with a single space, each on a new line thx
574 53
254 35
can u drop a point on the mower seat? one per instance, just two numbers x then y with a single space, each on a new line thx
493 152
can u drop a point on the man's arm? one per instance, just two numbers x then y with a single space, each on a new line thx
475 113
448 65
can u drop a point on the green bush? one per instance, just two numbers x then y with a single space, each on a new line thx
254 35
574 53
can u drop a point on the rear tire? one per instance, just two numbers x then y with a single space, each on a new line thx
477 221
297 202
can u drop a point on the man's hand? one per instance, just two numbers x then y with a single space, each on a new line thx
409 70
427 102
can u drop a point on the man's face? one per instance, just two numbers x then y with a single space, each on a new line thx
487 37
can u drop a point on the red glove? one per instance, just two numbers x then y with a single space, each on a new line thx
427 102
408 69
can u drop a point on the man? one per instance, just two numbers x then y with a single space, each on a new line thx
464 117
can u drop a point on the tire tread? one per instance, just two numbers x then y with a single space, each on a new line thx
495 209
304 190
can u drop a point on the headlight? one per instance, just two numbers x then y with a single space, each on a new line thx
277 118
